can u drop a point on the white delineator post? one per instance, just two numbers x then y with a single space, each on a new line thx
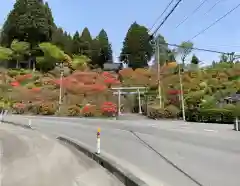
119 102
139 102
98 141
30 123
236 123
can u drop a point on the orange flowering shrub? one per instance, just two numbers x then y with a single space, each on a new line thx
142 72
73 110
126 72
47 108
89 110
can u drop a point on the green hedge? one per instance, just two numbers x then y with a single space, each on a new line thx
215 115
170 111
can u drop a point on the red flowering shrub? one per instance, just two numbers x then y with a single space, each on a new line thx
107 74
19 108
15 84
21 78
109 109
174 92
111 81
89 110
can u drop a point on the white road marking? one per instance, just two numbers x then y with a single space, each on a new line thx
210 130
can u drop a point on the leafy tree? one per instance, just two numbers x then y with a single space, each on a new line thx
86 40
28 21
184 50
195 60
52 55
136 46
105 49
5 53
165 54
224 58
20 50
80 62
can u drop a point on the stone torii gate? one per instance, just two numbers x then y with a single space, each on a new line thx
120 91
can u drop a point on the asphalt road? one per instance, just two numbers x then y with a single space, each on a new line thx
167 153
29 158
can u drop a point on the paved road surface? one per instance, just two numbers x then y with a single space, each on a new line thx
160 152
30 159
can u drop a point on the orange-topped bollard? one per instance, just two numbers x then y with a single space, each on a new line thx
98 141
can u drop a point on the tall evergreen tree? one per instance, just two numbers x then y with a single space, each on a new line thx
28 21
195 60
86 40
105 48
95 52
76 44
63 40
136 46
50 18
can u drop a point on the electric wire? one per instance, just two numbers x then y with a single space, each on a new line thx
193 12
169 4
210 9
165 19
215 22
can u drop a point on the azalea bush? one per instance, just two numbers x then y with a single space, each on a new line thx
19 108
89 110
47 108
109 109
73 110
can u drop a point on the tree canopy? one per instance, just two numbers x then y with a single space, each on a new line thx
136 47
30 20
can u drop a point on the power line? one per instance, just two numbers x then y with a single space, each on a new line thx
169 4
165 19
210 9
193 12
204 30
199 49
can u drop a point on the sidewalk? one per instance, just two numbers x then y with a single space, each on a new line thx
29 158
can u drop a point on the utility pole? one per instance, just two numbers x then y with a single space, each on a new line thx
61 84
181 93
157 57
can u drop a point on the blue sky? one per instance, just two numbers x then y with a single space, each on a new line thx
116 16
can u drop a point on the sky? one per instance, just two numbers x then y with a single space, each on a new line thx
116 17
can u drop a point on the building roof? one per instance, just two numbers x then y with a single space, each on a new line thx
112 66
234 97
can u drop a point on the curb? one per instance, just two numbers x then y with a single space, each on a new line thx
18 125
123 175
